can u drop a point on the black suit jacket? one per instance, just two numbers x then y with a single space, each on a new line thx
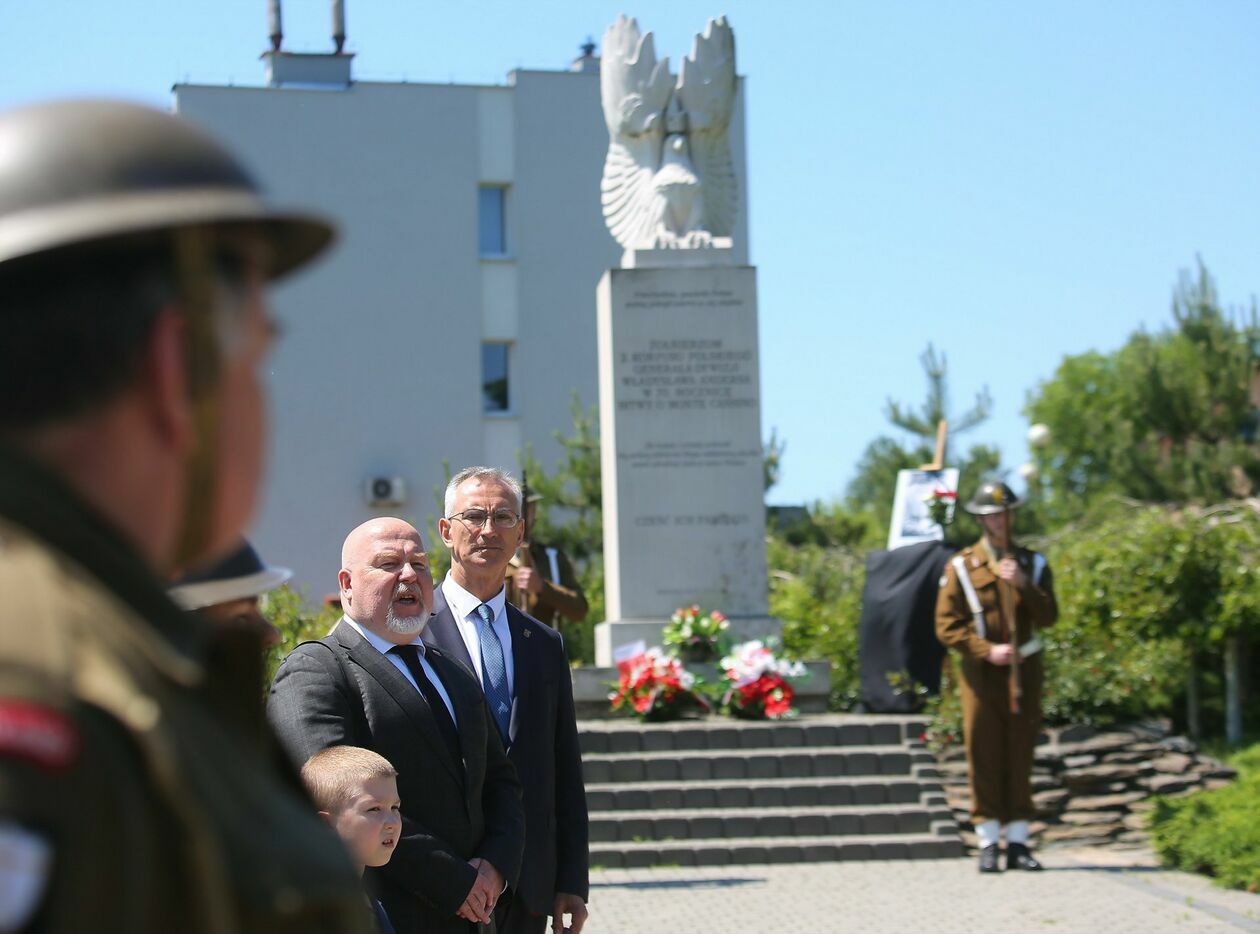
543 745
342 691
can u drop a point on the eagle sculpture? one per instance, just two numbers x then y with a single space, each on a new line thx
668 178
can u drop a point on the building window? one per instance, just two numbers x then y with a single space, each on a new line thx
494 378
492 220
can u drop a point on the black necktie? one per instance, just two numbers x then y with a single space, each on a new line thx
410 654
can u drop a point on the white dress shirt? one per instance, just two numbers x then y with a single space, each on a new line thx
464 608
384 645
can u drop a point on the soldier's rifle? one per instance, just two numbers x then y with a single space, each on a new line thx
523 559
1006 610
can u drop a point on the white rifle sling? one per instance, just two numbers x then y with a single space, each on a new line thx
1039 567
973 599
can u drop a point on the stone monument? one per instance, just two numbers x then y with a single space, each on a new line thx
679 390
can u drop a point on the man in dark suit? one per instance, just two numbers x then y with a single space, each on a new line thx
373 683
526 678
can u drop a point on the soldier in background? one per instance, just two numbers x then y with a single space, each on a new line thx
994 597
226 594
134 253
543 582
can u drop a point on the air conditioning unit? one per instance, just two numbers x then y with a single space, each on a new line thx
386 491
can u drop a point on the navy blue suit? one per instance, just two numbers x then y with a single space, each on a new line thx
543 745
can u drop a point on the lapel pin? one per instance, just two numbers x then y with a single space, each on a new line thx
526 633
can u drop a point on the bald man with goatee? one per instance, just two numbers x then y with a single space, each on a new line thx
372 682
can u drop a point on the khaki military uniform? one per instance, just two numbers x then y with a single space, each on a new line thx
999 743
561 600
128 800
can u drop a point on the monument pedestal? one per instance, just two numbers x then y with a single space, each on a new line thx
614 633
680 430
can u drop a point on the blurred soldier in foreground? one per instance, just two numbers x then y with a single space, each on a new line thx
993 599
133 258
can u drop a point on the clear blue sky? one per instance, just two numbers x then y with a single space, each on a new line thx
1013 182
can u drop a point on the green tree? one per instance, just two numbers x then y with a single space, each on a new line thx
571 516
1169 417
772 460
875 480
935 407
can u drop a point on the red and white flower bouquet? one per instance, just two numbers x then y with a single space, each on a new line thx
760 683
656 686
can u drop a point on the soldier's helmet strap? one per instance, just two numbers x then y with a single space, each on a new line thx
203 360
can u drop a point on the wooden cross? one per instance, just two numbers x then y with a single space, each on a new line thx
938 463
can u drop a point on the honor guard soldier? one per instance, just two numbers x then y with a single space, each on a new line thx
994 597
543 583
134 253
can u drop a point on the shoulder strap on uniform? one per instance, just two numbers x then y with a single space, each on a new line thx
969 589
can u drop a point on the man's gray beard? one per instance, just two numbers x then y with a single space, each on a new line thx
405 625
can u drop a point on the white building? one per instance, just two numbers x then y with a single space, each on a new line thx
455 317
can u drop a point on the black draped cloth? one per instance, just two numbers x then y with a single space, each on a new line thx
897 631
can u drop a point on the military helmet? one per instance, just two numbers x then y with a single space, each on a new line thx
239 575
992 497
76 173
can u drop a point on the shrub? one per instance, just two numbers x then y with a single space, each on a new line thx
283 608
1215 832
817 591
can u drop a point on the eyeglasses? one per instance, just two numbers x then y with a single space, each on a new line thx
502 518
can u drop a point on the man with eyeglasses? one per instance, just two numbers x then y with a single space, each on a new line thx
524 673
372 682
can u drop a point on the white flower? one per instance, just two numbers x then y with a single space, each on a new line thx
748 661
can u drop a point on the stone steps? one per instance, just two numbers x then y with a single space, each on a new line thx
621 736
629 826
770 792
716 792
751 850
728 764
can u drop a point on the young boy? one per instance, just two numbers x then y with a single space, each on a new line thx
356 791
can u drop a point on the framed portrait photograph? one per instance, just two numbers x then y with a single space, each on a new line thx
911 516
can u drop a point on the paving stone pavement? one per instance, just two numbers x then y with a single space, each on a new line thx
1081 890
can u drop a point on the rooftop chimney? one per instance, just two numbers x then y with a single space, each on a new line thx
588 61
274 30
309 70
339 24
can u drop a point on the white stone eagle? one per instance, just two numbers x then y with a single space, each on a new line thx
668 178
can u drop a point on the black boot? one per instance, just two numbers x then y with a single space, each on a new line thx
989 858
1018 857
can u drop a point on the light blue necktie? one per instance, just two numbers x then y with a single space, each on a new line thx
494 672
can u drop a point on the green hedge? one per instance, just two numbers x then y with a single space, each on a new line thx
297 623
1215 832
1108 659
816 590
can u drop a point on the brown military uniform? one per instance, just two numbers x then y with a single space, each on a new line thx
561 600
999 743
160 811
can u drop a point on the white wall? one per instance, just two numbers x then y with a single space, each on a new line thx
378 372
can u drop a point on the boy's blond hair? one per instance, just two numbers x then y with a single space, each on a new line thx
332 774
